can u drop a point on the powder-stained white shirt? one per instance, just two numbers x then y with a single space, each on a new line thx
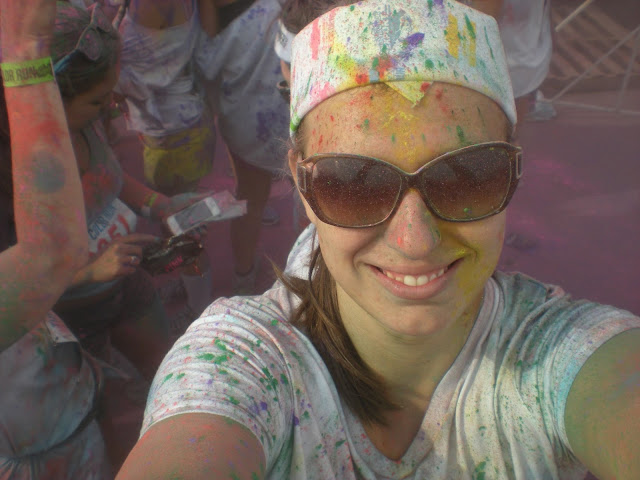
498 412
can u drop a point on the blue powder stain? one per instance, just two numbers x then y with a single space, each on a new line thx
296 421
263 406
415 39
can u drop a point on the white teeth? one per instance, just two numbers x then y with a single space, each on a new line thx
412 281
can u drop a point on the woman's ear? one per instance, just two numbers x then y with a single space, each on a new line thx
293 158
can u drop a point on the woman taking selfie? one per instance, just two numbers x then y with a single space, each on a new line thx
394 350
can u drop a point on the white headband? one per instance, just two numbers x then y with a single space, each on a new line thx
406 44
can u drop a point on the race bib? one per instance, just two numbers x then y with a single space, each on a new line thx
116 220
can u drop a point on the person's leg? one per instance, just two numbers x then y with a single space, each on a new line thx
254 186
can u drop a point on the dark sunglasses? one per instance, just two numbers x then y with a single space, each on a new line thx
465 185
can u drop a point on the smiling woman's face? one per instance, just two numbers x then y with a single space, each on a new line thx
375 268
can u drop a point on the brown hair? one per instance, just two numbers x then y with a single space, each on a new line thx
80 74
318 315
297 14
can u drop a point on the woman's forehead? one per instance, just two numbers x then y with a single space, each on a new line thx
363 120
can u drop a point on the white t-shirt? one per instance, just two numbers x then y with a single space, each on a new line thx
158 76
498 412
525 27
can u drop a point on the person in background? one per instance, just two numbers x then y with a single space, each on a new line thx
241 70
111 303
166 108
50 385
525 26
393 349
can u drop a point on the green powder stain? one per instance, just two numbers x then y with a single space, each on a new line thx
352 8
296 356
366 124
222 371
186 347
429 64
340 443
254 476
460 133
271 381
218 343
376 62
274 322
430 4
168 377
470 28
219 359
486 36
206 356
306 415
234 476
478 473
234 400
393 138
283 379
180 376
424 138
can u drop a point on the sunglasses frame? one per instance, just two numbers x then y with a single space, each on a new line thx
304 174
98 22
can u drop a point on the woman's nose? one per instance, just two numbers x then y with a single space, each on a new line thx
412 230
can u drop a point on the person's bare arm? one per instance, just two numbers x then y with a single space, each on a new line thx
490 7
208 17
48 204
602 416
195 446
160 14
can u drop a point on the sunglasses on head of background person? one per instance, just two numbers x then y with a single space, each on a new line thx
90 44
464 185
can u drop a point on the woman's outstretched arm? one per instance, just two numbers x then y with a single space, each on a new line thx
48 205
602 416
195 446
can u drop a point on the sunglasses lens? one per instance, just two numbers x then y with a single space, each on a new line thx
469 185
353 192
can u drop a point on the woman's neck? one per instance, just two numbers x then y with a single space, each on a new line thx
412 367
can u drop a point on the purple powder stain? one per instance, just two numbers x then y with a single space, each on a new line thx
263 406
415 39
296 421
439 3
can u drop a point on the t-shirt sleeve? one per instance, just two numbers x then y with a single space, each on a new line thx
229 363
552 344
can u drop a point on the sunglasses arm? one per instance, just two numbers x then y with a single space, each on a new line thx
302 173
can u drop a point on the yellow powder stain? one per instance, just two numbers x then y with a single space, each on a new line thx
470 45
453 38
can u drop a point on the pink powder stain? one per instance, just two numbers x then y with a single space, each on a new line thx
425 86
320 93
315 39
400 241
362 78
384 65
